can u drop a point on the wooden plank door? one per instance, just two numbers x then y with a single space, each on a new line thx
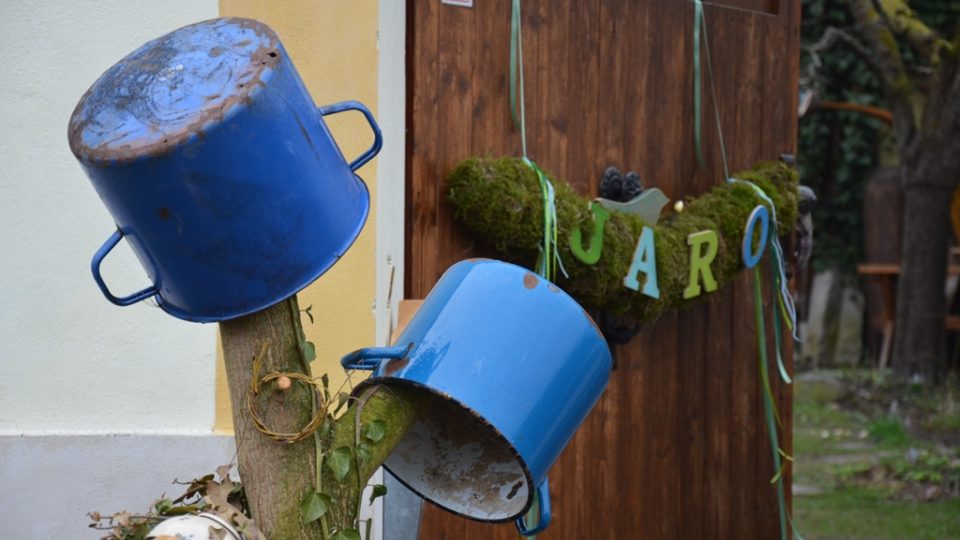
676 448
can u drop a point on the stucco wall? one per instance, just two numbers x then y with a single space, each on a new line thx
101 406
70 362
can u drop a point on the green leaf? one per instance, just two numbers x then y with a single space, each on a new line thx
364 453
163 506
309 351
348 534
339 462
379 490
376 430
314 506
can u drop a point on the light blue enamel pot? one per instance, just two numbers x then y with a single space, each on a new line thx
510 365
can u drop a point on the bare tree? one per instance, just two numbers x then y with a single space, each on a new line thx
925 104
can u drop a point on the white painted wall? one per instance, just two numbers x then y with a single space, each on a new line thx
106 474
401 507
101 407
70 362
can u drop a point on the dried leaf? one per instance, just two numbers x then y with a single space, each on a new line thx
196 487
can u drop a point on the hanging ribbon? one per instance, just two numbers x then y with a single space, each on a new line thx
697 23
516 75
769 406
549 257
700 25
784 300
549 260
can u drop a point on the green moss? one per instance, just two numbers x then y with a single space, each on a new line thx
499 200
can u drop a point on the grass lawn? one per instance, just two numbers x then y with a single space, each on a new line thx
857 512
861 473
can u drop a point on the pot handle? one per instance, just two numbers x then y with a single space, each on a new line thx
369 358
377 136
95 268
543 503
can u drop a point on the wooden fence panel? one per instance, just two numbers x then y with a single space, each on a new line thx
677 447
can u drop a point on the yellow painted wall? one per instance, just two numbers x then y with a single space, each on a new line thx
333 44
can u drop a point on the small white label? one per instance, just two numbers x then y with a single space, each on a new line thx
461 3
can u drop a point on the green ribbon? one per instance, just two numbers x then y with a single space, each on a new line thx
782 307
697 23
700 25
775 265
516 75
769 407
549 254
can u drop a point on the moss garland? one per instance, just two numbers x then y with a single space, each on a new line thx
499 201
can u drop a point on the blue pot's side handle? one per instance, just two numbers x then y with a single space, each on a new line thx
543 503
377 136
95 268
369 358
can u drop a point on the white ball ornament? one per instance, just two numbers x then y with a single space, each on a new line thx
194 527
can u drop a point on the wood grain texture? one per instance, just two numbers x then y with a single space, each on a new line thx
677 447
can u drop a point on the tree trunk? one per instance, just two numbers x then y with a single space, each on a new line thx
276 476
919 347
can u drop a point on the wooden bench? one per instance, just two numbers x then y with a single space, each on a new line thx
888 273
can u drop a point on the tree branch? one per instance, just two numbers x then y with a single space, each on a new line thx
397 409
883 46
831 37
905 103
903 21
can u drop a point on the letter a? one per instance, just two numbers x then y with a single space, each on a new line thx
700 262
644 260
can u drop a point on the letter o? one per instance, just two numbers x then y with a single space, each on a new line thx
759 214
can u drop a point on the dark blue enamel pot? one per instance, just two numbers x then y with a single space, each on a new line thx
218 170
510 366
